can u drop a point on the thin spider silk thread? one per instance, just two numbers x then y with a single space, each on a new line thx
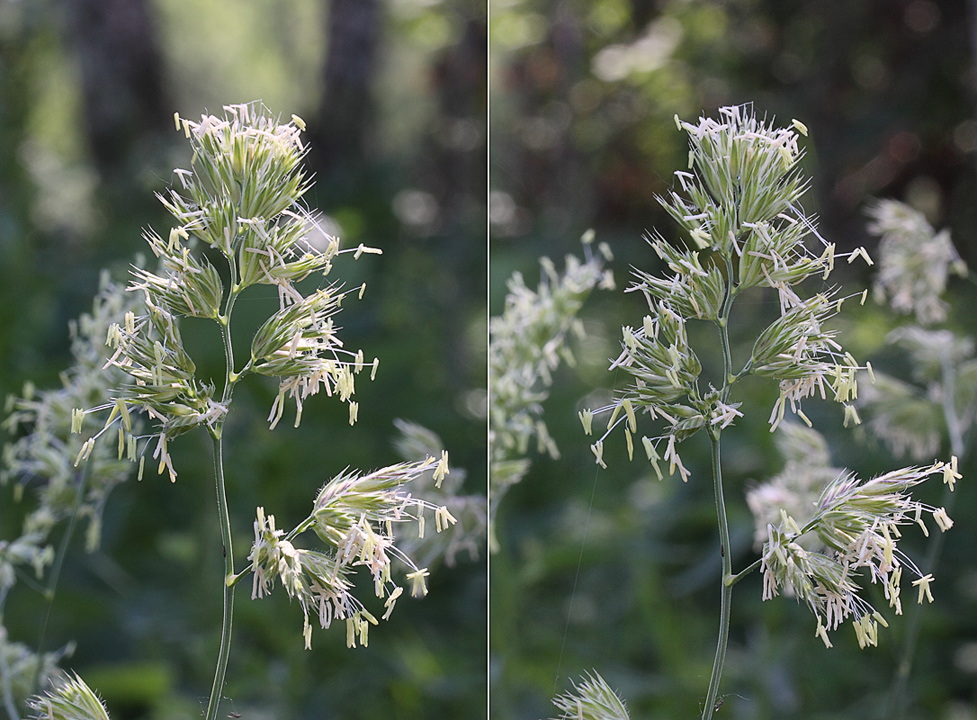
576 577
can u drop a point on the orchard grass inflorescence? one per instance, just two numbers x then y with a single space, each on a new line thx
527 343
238 205
739 205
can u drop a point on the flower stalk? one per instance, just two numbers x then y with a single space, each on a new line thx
740 208
727 588
227 619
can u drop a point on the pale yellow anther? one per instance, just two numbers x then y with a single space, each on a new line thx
632 420
924 588
587 420
950 474
822 633
598 450
442 469
77 417
942 519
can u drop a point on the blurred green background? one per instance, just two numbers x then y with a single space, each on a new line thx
613 570
394 95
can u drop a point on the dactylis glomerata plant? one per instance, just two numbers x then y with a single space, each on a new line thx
43 458
240 202
739 206
527 343
936 406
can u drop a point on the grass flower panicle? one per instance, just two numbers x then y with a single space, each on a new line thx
42 456
916 261
908 418
939 404
45 424
913 418
239 201
241 197
591 699
71 699
739 207
527 343
856 525
354 516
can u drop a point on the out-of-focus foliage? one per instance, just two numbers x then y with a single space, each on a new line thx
527 343
612 569
82 151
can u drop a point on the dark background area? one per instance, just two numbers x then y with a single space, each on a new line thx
613 570
394 96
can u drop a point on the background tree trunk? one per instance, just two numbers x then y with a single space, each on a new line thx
341 137
121 76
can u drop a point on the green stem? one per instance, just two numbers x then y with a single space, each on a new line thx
727 591
717 482
896 707
224 519
723 323
225 527
733 579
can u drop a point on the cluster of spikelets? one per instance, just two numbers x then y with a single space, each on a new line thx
354 516
42 457
527 343
939 400
591 699
911 416
44 454
69 699
821 528
915 261
241 198
740 209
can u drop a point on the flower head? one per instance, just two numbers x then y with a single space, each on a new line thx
71 699
908 418
527 343
856 525
242 198
46 426
739 206
354 516
915 261
591 699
